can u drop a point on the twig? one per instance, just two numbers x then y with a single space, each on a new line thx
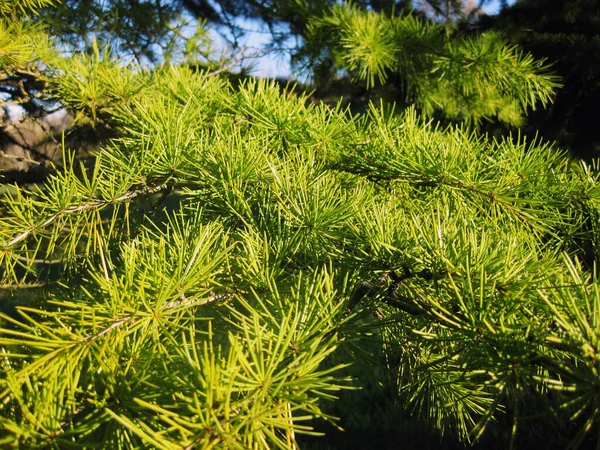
23 159
183 301
23 99
39 261
434 182
23 144
23 285
85 207
238 57
117 323
28 73
175 304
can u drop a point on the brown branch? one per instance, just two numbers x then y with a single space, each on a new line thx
23 159
31 82
28 73
22 142
23 99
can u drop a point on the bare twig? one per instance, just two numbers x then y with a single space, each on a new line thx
21 141
23 159
23 99
115 324
39 261
28 73
238 57
184 301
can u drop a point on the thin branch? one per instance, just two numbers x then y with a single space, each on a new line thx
23 159
117 323
39 261
28 73
24 285
238 57
85 207
380 174
23 99
22 142
182 302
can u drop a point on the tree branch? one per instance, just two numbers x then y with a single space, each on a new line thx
84 207
238 57
182 302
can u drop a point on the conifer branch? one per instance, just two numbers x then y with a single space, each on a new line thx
414 255
24 285
95 204
183 302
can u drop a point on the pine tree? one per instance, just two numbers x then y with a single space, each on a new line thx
238 258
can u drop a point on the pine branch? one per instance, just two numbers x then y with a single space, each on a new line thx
96 204
183 302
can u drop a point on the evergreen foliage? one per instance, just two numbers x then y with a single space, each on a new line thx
469 78
21 43
236 258
20 8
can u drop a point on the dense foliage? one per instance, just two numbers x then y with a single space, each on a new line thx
237 258
469 78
